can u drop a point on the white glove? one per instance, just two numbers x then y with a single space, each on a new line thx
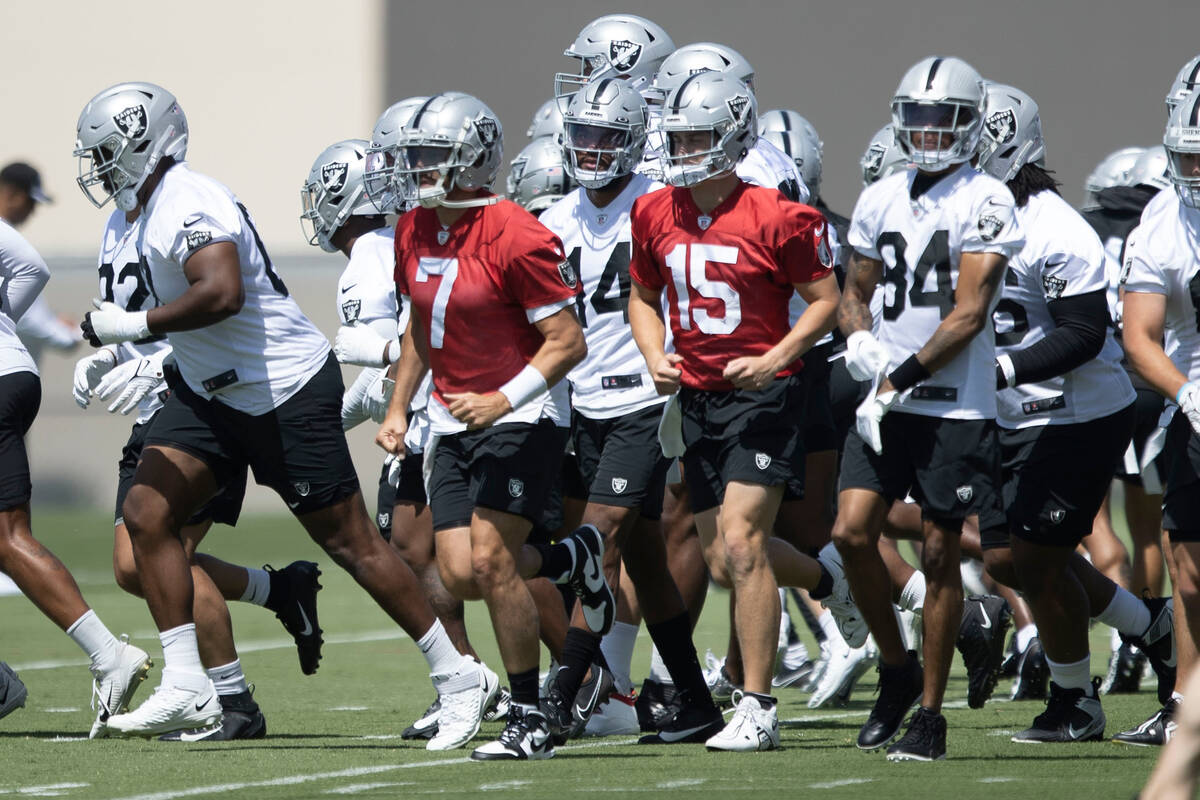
110 324
139 378
361 345
865 356
870 413
393 462
1189 403
88 372
353 412
379 397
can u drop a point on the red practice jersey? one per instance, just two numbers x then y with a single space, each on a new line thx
728 274
474 286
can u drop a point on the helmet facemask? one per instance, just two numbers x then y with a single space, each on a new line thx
951 126
1181 142
688 159
380 179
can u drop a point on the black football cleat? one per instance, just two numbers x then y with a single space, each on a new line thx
925 739
899 688
296 607
985 621
1071 715
241 718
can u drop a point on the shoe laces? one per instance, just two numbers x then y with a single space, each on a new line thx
516 729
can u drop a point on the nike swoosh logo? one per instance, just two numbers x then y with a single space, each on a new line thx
307 625
348 288
197 736
676 736
591 572
582 710
817 231
987 622
1053 264
200 704
190 221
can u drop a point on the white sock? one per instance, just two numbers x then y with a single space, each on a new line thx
441 654
258 586
912 597
181 658
1177 697
1115 640
1073 676
1025 636
229 678
1126 613
658 669
829 625
617 647
94 639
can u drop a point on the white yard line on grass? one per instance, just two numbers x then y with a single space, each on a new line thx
49 790
842 782
355 788
865 712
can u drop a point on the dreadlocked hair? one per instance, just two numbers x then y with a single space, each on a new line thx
1030 180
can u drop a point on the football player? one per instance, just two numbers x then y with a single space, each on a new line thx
117 666
1161 263
622 46
729 256
492 318
547 121
1061 391
254 385
939 236
537 177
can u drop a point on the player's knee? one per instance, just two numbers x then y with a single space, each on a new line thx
458 579
852 541
937 558
998 563
744 553
487 562
146 514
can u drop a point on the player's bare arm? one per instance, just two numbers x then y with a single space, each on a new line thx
755 372
563 347
854 310
650 332
1143 321
215 291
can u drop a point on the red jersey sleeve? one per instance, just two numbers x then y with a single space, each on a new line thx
398 275
539 273
803 250
642 266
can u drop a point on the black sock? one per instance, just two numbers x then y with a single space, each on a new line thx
578 652
524 687
824 586
765 700
673 638
557 561
568 597
277 594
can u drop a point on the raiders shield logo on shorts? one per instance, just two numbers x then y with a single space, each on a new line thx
516 488
1057 516
302 488
964 493
762 460
384 519
619 484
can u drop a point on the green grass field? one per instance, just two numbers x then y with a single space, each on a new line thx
337 733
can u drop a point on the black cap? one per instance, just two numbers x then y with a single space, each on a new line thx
25 178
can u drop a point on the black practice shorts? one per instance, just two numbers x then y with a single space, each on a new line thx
820 431
509 467
411 490
621 460
845 396
571 480
1148 410
299 449
951 467
1056 476
1181 491
20 399
736 435
224 507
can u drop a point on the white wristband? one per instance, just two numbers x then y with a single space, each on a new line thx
391 354
525 385
1006 366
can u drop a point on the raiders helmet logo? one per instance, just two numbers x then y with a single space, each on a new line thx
350 311
619 484
516 488
964 494
737 106
1002 125
197 239
704 221
566 271
624 54
762 460
131 122
333 175
488 130
873 160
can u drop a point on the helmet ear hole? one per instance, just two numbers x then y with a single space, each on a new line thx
141 148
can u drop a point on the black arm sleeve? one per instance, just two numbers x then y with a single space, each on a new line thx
1080 324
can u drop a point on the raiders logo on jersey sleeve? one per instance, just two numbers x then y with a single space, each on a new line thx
1053 287
197 239
993 219
566 271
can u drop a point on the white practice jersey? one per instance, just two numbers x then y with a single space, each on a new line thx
367 293
23 275
123 281
920 243
1062 257
1162 256
259 357
612 380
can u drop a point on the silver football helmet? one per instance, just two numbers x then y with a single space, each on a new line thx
334 192
453 140
538 178
1187 80
605 132
882 157
1113 170
614 46
121 136
698 57
1150 168
797 137
937 112
1012 133
712 103
382 155
1182 144
547 120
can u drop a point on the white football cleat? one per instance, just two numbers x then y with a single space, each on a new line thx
751 728
464 695
112 689
616 716
170 708
846 664
849 620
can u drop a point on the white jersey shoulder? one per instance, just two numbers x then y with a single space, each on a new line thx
23 275
612 380
259 357
921 241
367 287
766 165
1160 203
1062 257
1162 256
